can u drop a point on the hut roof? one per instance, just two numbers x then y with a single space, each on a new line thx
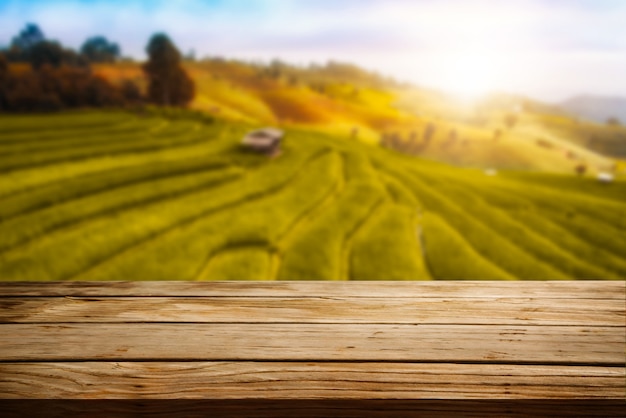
263 137
265 141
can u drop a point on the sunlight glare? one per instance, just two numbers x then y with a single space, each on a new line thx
475 54
471 73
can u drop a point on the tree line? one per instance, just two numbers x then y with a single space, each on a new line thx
52 77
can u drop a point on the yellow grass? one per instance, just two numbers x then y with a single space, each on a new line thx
355 110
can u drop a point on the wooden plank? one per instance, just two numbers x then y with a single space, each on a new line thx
278 380
383 289
319 341
500 311
313 342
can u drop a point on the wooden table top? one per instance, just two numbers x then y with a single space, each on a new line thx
313 340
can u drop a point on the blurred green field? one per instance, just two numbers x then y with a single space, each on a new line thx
119 196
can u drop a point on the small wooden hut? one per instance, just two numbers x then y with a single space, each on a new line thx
264 141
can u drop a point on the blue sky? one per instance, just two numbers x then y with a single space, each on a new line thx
549 49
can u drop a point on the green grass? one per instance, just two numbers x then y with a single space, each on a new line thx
449 256
491 242
386 247
258 220
22 229
523 235
239 263
48 124
30 178
116 196
320 250
21 156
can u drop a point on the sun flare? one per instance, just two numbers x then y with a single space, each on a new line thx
471 73
474 54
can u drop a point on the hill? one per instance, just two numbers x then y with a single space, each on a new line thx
120 196
349 102
596 108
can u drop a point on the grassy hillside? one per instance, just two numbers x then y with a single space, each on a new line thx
118 196
345 101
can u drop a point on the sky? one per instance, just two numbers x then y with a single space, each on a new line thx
546 49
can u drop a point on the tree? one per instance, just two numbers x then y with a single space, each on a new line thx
30 36
52 53
4 72
130 92
46 52
99 49
429 131
168 83
22 93
59 78
19 50
4 66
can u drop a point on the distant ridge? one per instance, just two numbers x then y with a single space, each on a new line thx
596 108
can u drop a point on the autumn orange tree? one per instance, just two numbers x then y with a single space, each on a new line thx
58 78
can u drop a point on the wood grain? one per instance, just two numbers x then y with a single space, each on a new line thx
313 342
382 289
284 380
392 310
393 342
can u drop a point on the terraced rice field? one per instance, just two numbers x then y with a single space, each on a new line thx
115 196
